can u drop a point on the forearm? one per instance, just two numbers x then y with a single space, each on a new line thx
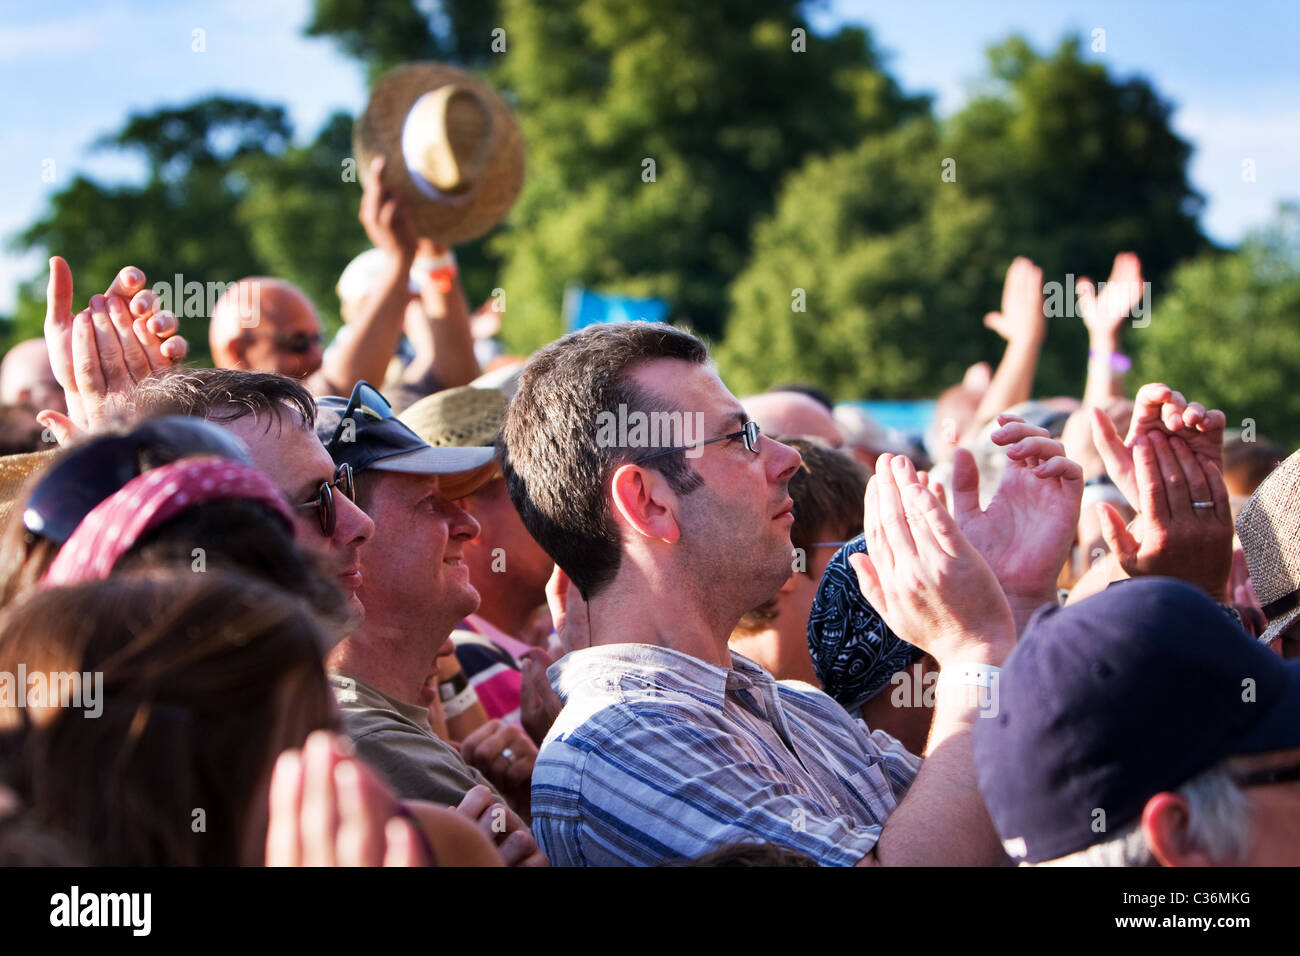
1023 606
452 361
377 331
943 821
1103 384
1013 382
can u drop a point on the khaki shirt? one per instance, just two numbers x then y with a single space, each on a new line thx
395 738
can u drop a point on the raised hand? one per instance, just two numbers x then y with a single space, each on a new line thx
539 704
923 576
1157 408
1026 532
1021 318
1104 314
385 217
505 755
100 354
1171 536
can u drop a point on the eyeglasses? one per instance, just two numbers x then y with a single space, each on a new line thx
1263 778
324 502
365 399
749 432
92 472
299 343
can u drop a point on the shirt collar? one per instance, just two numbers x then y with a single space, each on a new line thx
593 667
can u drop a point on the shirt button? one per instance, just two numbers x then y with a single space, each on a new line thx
836 802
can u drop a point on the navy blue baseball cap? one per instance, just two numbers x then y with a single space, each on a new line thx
362 431
853 652
1129 693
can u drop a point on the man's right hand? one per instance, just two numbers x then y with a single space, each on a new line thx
924 577
503 827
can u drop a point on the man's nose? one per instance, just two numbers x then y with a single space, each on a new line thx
463 524
352 525
783 461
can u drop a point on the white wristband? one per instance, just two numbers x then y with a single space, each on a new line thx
970 675
460 703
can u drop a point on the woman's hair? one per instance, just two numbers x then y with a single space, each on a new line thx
198 680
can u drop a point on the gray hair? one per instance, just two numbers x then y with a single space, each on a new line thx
1218 826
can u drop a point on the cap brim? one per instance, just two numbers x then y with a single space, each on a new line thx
463 469
1280 728
1278 625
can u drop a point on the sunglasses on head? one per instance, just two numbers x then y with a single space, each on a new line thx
365 400
749 432
324 502
97 469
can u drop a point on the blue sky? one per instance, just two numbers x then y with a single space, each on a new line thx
73 71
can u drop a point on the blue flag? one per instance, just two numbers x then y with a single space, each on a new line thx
582 308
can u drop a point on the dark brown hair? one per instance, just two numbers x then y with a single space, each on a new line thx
205 679
555 468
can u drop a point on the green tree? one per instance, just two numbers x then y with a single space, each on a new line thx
904 239
1223 331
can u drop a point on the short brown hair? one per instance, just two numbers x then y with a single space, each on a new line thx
555 467
222 395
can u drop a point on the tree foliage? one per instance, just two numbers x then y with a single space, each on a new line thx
1223 331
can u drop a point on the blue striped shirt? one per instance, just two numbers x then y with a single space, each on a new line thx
658 755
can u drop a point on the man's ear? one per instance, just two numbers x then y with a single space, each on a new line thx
1165 819
643 500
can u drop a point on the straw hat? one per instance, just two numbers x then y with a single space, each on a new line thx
451 146
464 416
15 471
1269 529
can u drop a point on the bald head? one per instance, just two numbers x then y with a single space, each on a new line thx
793 413
27 379
266 325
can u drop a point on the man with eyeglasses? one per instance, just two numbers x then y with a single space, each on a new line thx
416 589
670 745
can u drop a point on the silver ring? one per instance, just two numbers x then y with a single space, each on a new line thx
508 754
1202 504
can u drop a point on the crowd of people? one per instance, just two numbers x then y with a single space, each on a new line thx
270 613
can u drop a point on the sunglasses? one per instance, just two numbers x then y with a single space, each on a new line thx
365 399
299 343
749 433
1264 778
324 503
94 471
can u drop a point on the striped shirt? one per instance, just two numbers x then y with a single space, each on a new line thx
658 755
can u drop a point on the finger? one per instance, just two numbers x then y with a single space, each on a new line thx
285 804
1193 414
478 735
940 492
877 545
164 324
1017 431
111 359
1153 500
965 485
320 819
1177 494
517 847
488 749
941 526
869 582
402 844
1214 423
893 517
1035 447
86 370
58 295
361 822
1147 405
1171 412
133 354
1218 488
475 802
1116 455
59 425
1198 488
126 283
144 303
175 349
1067 469
1117 536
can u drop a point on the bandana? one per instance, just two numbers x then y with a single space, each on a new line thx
145 502
853 652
